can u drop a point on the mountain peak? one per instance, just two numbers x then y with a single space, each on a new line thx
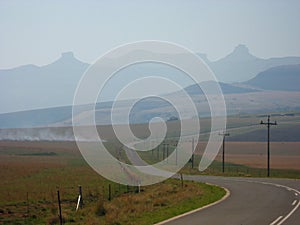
67 60
67 55
241 49
240 53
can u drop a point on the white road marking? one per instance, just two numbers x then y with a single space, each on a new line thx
275 221
288 215
259 182
283 186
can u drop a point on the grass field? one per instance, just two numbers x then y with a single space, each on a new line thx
32 172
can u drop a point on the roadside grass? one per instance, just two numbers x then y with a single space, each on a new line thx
155 203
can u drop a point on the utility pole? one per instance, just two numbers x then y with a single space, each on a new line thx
167 152
192 159
224 134
59 208
164 150
176 149
268 148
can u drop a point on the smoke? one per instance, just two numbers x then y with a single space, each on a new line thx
41 134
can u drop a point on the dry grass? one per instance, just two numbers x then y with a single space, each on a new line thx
154 198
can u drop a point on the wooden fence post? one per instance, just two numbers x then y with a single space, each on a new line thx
181 178
81 199
59 207
109 192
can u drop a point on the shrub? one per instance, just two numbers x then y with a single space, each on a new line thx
100 210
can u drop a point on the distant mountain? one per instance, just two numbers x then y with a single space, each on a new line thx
284 78
144 110
35 118
31 87
241 65
239 100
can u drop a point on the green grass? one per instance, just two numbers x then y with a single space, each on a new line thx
208 195
154 204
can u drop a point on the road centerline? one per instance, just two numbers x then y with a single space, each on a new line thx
294 202
275 209
288 215
275 221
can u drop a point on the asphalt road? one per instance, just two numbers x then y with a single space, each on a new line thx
252 201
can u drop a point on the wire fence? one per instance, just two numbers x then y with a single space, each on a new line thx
22 207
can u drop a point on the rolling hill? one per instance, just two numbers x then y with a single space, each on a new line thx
283 78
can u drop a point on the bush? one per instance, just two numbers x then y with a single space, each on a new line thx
100 210
53 220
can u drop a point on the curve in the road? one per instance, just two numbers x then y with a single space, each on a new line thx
197 210
281 219
252 201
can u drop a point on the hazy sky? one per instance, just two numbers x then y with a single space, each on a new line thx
36 32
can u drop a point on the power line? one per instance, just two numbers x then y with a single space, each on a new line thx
268 123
